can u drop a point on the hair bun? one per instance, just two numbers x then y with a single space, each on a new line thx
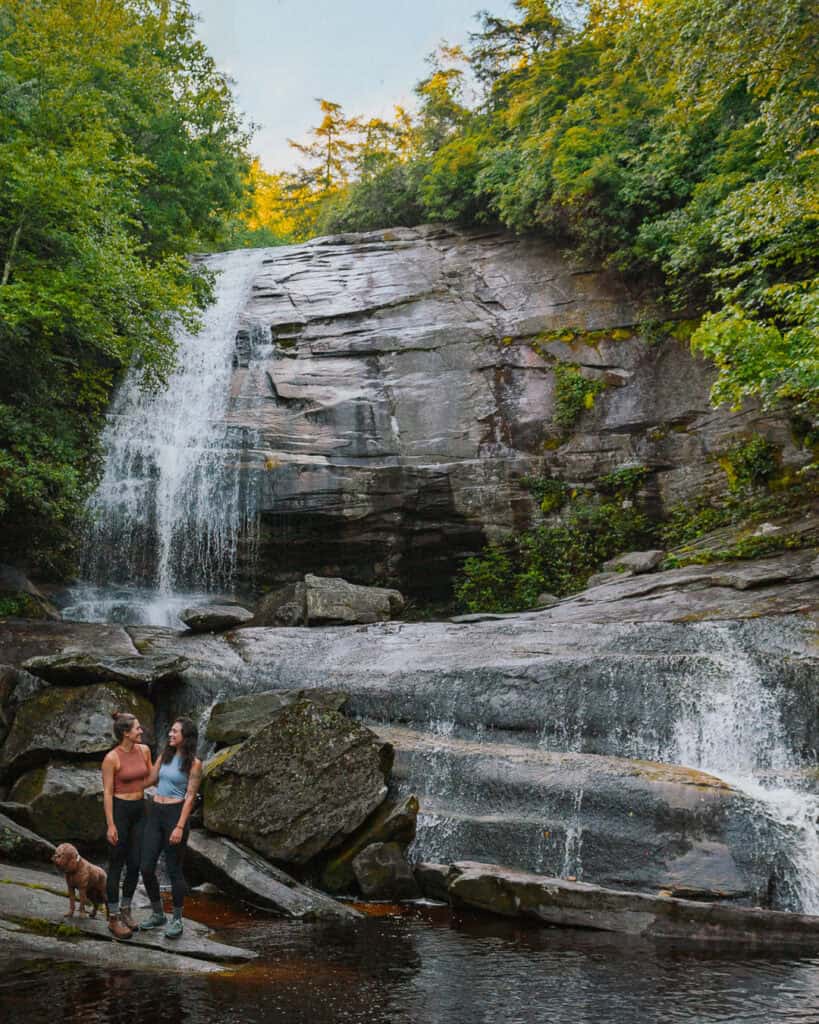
115 715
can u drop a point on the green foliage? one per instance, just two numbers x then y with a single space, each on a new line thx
550 494
674 141
574 394
557 559
120 153
690 521
751 463
623 482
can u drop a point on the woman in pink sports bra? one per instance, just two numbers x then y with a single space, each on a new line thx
125 773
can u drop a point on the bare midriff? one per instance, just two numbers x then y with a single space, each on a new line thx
130 777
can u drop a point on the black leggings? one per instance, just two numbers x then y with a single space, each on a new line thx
129 819
162 820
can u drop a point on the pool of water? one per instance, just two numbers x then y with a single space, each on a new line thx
425 965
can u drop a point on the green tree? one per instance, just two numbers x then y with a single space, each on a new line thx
120 152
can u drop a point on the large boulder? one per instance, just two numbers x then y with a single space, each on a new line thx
232 721
64 801
19 844
394 821
213 618
70 722
245 875
337 602
324 601
298 786
79 669
635 562
383 873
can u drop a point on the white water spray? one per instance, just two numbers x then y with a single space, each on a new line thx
733 729
169 510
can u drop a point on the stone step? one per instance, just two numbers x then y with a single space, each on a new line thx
614 821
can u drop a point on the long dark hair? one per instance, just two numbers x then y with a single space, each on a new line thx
187 749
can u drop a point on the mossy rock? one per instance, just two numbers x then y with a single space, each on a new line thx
298 786
64 801
70 721
19 845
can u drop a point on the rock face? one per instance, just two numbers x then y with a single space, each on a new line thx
299 785
64 801
72 721
395 386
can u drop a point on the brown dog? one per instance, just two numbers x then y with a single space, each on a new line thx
87 879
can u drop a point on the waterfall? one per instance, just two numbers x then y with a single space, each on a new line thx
169 509
733 729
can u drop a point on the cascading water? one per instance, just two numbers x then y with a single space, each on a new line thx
169 510
733 730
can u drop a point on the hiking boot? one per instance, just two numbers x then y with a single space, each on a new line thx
127 919
117 928
156 920
174 928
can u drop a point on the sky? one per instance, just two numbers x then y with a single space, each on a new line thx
364 54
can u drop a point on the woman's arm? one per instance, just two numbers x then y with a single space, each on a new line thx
153 769
109 768
190 796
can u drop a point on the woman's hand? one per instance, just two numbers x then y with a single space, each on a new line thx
112 835
176 835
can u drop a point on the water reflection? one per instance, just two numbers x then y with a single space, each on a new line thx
430 967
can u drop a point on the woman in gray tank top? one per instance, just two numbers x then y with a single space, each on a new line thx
178 772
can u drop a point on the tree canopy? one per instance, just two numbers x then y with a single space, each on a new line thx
120 154
673 140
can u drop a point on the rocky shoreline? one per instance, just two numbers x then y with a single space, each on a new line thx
326 751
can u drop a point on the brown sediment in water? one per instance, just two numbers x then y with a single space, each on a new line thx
218 911
296 971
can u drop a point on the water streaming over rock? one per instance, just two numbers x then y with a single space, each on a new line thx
170 508
733 729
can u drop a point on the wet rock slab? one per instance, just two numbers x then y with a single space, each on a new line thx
244 874
77 669
553 901
629 823
35 900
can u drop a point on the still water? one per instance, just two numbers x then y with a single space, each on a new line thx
424 965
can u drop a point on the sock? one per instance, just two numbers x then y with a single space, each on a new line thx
177 913
156 906
126 903
113 909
